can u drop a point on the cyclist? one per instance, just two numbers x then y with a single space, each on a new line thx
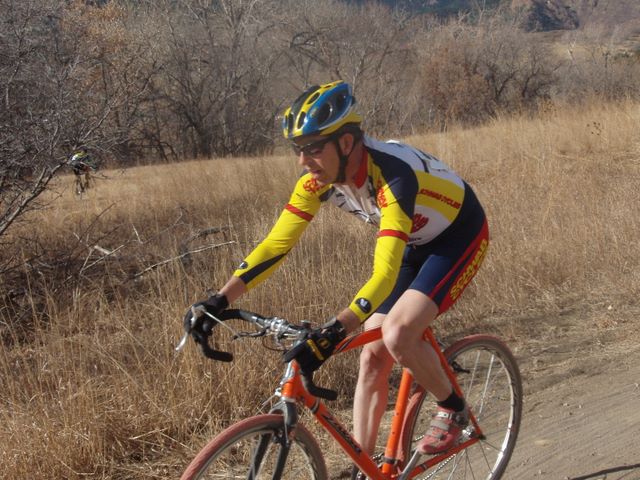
432 236
82 165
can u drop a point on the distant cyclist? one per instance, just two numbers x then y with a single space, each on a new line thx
431 237
82 165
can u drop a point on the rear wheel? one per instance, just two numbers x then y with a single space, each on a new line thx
488 375
254 449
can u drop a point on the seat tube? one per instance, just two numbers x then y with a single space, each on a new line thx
400 410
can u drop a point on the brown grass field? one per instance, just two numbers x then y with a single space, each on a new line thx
96 390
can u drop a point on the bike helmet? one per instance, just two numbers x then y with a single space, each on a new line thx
320 110
80 156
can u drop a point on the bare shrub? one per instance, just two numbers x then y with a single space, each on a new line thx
598 67
470 72
121 65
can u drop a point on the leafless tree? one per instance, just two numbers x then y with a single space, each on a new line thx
62 87
366 45
38 70
189 78
219 66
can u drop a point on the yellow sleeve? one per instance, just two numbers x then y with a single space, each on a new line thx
395 227
296 215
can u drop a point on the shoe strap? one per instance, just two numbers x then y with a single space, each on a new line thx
449 415
438 424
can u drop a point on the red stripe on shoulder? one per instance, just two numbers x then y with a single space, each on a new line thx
394 233
296 211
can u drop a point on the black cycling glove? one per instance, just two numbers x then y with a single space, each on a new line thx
203 324
317 346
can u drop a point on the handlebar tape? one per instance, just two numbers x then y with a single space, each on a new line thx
203 340
315 390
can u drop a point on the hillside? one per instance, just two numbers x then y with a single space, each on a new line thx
622 16
608 15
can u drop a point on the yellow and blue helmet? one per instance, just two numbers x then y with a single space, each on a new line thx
320 110
79 156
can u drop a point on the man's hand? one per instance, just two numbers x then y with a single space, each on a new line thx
317 346
196 322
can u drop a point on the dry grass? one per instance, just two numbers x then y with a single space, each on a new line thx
97 391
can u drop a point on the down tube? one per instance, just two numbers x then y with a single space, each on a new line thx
346 441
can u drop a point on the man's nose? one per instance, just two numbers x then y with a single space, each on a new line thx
303 160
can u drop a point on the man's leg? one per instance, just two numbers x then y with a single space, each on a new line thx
402 334
372 389
78 185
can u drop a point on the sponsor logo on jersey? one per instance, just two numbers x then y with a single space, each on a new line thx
311 185
381 199
364 305
469 272
419 221
438 196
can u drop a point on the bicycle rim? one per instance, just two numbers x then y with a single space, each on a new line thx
490 379
251 450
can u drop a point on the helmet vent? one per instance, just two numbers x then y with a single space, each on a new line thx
341 101
312 98
324 113
301 118
288 122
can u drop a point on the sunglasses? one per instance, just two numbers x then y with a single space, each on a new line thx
313 149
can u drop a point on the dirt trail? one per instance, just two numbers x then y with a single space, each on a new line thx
582 406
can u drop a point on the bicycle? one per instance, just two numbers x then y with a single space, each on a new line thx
277 446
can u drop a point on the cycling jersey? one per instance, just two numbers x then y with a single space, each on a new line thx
411 197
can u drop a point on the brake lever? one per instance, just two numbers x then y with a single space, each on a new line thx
203 341
185 337
183 342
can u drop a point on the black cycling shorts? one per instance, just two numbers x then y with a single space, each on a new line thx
442 268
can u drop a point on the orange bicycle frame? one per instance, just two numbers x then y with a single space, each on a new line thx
293 390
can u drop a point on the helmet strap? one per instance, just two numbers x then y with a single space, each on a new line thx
342 165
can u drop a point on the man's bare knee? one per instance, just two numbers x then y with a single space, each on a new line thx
375 362
397 338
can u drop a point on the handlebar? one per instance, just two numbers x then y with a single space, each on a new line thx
275 326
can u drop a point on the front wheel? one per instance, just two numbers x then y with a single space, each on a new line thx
255 449
488 375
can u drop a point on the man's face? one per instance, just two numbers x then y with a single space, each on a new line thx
318 155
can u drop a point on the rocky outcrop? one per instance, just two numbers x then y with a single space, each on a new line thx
545 15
